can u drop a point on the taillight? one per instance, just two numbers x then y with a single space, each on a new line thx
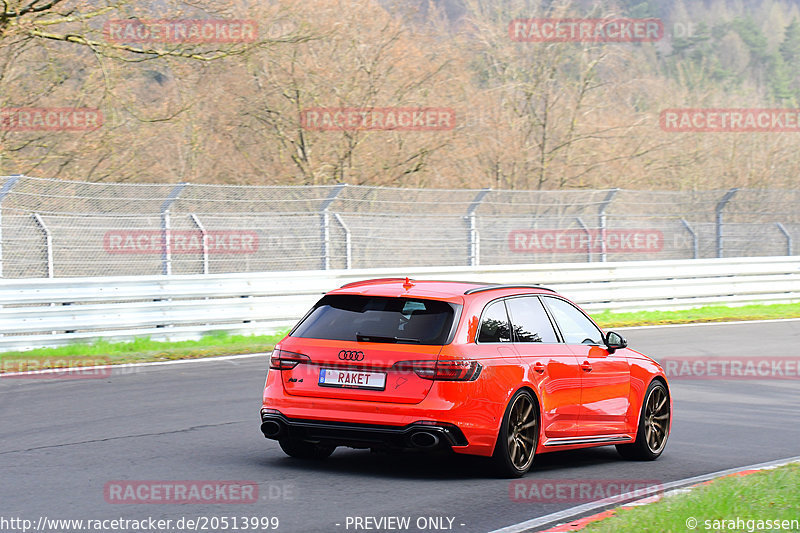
455 370
283 360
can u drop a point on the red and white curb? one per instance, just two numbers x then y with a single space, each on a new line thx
572 520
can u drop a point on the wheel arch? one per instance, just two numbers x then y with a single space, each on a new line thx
532 390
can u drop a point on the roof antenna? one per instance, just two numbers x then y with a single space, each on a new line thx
407 285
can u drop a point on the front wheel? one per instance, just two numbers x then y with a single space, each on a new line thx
301 449
651 437
518 437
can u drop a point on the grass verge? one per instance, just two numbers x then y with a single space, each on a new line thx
141 350
138 351
712 313
735 503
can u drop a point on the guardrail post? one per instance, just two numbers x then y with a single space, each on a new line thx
325 225
474 237
48 239
719 209
588 234
204 236
166 245
7 186
603 207
788 237
693 233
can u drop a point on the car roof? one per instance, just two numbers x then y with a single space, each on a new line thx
442 290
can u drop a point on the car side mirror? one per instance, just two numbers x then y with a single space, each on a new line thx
615 341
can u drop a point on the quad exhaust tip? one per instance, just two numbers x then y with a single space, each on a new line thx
271 428
424 439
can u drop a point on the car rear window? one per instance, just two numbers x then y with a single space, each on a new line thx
378 319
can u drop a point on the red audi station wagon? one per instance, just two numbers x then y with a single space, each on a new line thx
503 371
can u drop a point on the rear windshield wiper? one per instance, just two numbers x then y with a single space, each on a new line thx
381 338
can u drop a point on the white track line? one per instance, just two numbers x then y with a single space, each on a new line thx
567 515
132 365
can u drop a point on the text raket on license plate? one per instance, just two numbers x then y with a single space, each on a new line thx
329 377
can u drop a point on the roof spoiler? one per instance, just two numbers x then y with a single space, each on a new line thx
369 281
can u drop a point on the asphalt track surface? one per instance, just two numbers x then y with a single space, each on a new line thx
62 440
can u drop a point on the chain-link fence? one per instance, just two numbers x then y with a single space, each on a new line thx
65 228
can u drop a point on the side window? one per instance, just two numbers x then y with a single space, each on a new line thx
494 326
575 326
529 320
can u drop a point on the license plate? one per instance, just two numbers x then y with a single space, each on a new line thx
329 377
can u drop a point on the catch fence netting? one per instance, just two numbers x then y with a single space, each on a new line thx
56 228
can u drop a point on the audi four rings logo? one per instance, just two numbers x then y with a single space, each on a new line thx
347 355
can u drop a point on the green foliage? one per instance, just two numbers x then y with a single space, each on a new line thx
754 38
707 58
643 8
790 47
732 51
145 349
716 313
790 54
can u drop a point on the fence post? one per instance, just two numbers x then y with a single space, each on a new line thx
204 236
603 207
348 242
588 234
693 233
473 237
166 245
7 186
788 237
48 239
719 209
325 225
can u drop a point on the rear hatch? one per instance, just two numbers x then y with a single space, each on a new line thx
370 348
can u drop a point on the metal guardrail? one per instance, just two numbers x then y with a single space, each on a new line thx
51 312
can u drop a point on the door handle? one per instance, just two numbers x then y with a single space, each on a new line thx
586 366
538 367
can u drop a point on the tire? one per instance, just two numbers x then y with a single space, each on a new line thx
518 436
653 432
301 449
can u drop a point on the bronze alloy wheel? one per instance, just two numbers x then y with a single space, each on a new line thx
519 436
522 432
656 419
651 436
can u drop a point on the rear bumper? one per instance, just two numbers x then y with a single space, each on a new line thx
419 435
465 405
